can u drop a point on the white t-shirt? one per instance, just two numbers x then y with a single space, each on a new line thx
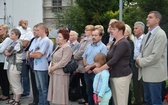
42 46
25 35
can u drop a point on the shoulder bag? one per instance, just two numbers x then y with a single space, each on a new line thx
71 66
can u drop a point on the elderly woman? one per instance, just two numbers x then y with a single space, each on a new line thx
14 59
118 64
4 42
78 56
59 81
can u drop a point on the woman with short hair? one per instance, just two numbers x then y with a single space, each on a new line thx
118 64
59 81
14 59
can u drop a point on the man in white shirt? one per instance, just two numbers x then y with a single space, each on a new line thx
26 36
137 84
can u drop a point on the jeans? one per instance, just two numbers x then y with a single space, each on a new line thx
25 78
42 86
153 93
89 87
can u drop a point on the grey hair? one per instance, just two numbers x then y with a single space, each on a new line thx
157 15
74 33
140 24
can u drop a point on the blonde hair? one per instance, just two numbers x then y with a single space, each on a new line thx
100 28
89 27
5 27
129 30
100 58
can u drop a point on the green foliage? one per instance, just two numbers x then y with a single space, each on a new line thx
151 5
87 12
156 5
73 17
105 18
133 14
101 11
93 9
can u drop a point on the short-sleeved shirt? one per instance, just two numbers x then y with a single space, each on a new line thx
33 44
93 49
51 45
42 46
25 35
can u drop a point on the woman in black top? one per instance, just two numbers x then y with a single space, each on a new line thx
118 64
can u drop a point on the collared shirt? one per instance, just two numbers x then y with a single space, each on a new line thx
152 31
137 44
110 38
74 45
93 49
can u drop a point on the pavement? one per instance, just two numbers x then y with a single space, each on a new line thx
29 99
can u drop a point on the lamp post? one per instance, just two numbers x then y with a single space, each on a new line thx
120 8
4 11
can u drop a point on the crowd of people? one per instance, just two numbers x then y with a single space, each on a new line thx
106 63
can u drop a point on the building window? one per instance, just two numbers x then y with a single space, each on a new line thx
57 5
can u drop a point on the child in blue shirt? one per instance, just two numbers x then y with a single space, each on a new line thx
101 80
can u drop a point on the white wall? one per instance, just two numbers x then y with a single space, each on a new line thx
30 10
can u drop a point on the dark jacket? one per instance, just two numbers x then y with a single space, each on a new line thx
118 58
131 61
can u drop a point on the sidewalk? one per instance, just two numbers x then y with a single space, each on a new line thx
27 100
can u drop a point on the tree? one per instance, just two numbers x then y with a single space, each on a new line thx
87 12
133 14
73 18
155 5
101 11
94 9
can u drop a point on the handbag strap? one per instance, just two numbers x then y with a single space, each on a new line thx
98 82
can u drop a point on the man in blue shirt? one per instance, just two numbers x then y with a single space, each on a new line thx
91 50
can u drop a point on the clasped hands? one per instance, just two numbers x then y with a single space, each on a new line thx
89 69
